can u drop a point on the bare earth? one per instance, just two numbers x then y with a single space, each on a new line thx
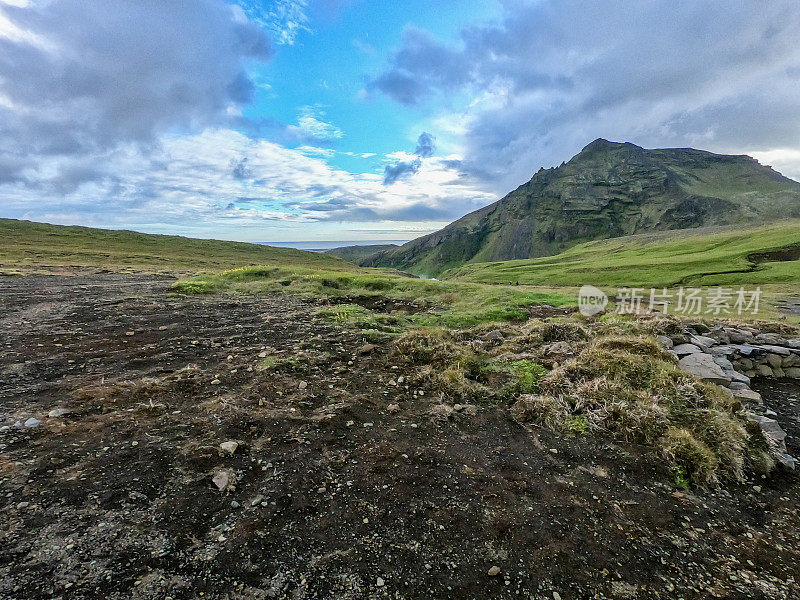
115 499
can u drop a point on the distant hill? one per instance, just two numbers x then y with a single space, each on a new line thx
356 254
608 190
29 244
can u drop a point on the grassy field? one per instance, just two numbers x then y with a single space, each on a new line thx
451 303
665 259
26 245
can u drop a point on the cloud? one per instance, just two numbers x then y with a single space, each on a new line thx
551 76
191 182
426 144
117 72
312 129
392 173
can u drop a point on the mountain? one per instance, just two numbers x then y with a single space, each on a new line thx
356 254
609 189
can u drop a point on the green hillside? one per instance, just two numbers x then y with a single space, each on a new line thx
28 244
608 190
717 256
356 254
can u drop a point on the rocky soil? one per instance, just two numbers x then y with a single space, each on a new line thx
154 446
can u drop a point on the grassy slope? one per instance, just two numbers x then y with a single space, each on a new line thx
654 260
357 253
27 244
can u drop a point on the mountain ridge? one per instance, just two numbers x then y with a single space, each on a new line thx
609 189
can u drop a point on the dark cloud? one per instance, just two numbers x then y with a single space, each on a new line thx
93 75
240 170
426 144
551 76
392 173
421 65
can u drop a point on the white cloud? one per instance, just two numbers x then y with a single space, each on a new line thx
785 160
221 174
311 126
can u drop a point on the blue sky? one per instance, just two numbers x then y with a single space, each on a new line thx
349 120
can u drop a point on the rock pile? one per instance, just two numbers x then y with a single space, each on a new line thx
730 357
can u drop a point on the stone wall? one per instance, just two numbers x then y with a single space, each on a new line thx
730 357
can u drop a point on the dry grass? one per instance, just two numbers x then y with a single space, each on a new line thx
630 387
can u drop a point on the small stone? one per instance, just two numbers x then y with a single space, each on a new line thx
393 408
366 348
303 385
494 571
757 488
224 479
215 382
129 333
22 505
32 423
257 500
380 582
58 412
229 447
235 504
262 355
556 596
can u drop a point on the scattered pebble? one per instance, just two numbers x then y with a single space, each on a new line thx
229 447
32 422
494 571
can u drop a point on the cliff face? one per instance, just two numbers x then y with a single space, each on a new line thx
607 190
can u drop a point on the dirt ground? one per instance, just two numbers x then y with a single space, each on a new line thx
345 483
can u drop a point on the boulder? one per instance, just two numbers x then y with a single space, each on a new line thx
774 360
793 372
786 460
763 371
666 342
793 360
703 367
703 341
747 395
737 377
779 350
738 336
770 338
684 349
770 428
723 362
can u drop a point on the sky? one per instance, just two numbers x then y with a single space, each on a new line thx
287 120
